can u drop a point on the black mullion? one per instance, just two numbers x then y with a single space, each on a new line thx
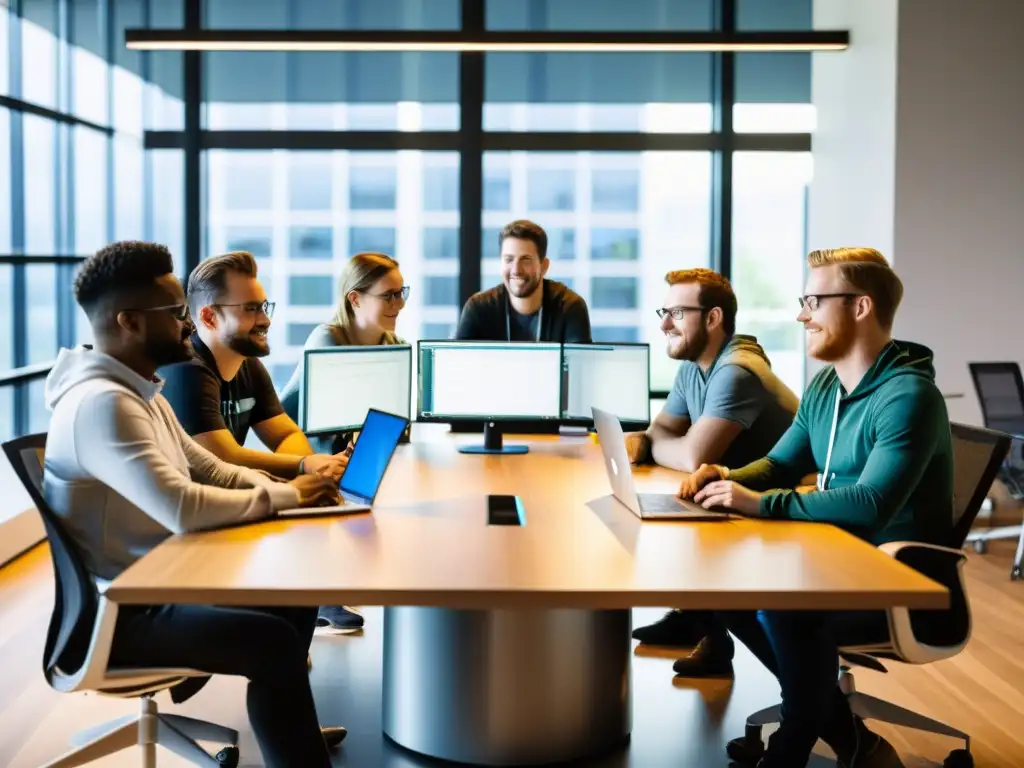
193 92
471 161
725 100
148 193
107 17
19 303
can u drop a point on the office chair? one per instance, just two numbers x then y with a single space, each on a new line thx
922 637
78 647
1000 392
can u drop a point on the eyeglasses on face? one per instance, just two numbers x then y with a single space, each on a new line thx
389 296
812 301
676 313
178 311
253 307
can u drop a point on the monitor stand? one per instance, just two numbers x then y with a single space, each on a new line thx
493 443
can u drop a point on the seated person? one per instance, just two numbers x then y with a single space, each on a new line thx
874 427
725 405
526 306
223 389
123 475
372 294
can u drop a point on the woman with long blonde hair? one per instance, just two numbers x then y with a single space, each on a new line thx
371 295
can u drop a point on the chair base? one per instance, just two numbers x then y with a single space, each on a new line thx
980 539
146 731
867 708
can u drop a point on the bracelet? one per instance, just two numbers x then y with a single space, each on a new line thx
302 466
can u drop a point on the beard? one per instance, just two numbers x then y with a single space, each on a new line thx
525 289
171 351
691 347
248 344
830 345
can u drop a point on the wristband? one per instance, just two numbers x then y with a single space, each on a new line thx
302 466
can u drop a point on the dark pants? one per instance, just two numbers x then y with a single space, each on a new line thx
266 645
801 648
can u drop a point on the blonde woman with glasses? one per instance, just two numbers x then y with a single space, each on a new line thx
372 295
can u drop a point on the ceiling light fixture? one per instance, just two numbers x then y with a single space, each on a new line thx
400 41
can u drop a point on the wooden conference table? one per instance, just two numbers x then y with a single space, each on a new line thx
509 645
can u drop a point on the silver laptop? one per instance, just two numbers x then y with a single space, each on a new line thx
646 506
370 458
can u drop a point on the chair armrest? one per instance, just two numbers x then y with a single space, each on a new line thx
893 548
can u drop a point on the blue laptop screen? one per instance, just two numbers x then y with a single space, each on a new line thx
372 453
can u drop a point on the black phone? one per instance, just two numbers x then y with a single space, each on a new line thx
505 510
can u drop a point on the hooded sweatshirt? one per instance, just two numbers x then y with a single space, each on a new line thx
883 453
741 387
122 473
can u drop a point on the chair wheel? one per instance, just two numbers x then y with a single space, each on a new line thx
1015 573
980 546
958 758
227 756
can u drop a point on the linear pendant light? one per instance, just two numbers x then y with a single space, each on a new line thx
491 42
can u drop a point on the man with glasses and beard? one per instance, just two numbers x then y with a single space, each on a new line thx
223 390
874 428
725 405
124 476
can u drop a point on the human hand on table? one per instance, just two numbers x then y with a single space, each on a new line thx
704 474
725 494
316 490
328 466
638 447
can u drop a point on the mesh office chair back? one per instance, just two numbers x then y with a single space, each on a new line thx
977 455
75 596
1000 390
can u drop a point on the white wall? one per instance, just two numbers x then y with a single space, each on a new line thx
959 237
920 153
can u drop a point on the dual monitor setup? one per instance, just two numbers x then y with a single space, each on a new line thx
466 383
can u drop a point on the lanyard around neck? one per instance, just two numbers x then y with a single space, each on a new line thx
508 320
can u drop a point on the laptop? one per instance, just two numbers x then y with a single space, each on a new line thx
367 464
646 506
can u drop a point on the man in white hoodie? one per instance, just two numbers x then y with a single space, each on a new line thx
123 476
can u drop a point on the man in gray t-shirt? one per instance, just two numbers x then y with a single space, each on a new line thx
726 406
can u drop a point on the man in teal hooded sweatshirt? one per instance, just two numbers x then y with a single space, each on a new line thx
874 427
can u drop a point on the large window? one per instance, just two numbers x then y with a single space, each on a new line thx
304 214
306 158
74 173
633 217
769 245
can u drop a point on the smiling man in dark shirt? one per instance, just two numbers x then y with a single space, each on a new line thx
224 390
526 306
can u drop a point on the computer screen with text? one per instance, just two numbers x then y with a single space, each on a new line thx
342 383
612 377
469 380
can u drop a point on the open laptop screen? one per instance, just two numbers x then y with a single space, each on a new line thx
372 453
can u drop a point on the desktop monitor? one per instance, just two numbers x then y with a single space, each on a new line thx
611 377
490 382
342 384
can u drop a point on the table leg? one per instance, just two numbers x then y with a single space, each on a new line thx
507 687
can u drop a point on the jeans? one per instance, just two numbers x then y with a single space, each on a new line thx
266 645
801 648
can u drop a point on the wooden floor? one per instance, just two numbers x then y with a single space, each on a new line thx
676 723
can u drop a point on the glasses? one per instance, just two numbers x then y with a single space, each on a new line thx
812 301
253 307
676 313
178 311
389 296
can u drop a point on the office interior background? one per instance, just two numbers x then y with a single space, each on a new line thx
635 164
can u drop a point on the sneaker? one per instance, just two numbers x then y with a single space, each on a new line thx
711 658
869 750
675 628
333 736
339 618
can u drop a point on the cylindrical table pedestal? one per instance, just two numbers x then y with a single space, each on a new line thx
507 687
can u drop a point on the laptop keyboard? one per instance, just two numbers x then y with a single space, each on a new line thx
659 502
